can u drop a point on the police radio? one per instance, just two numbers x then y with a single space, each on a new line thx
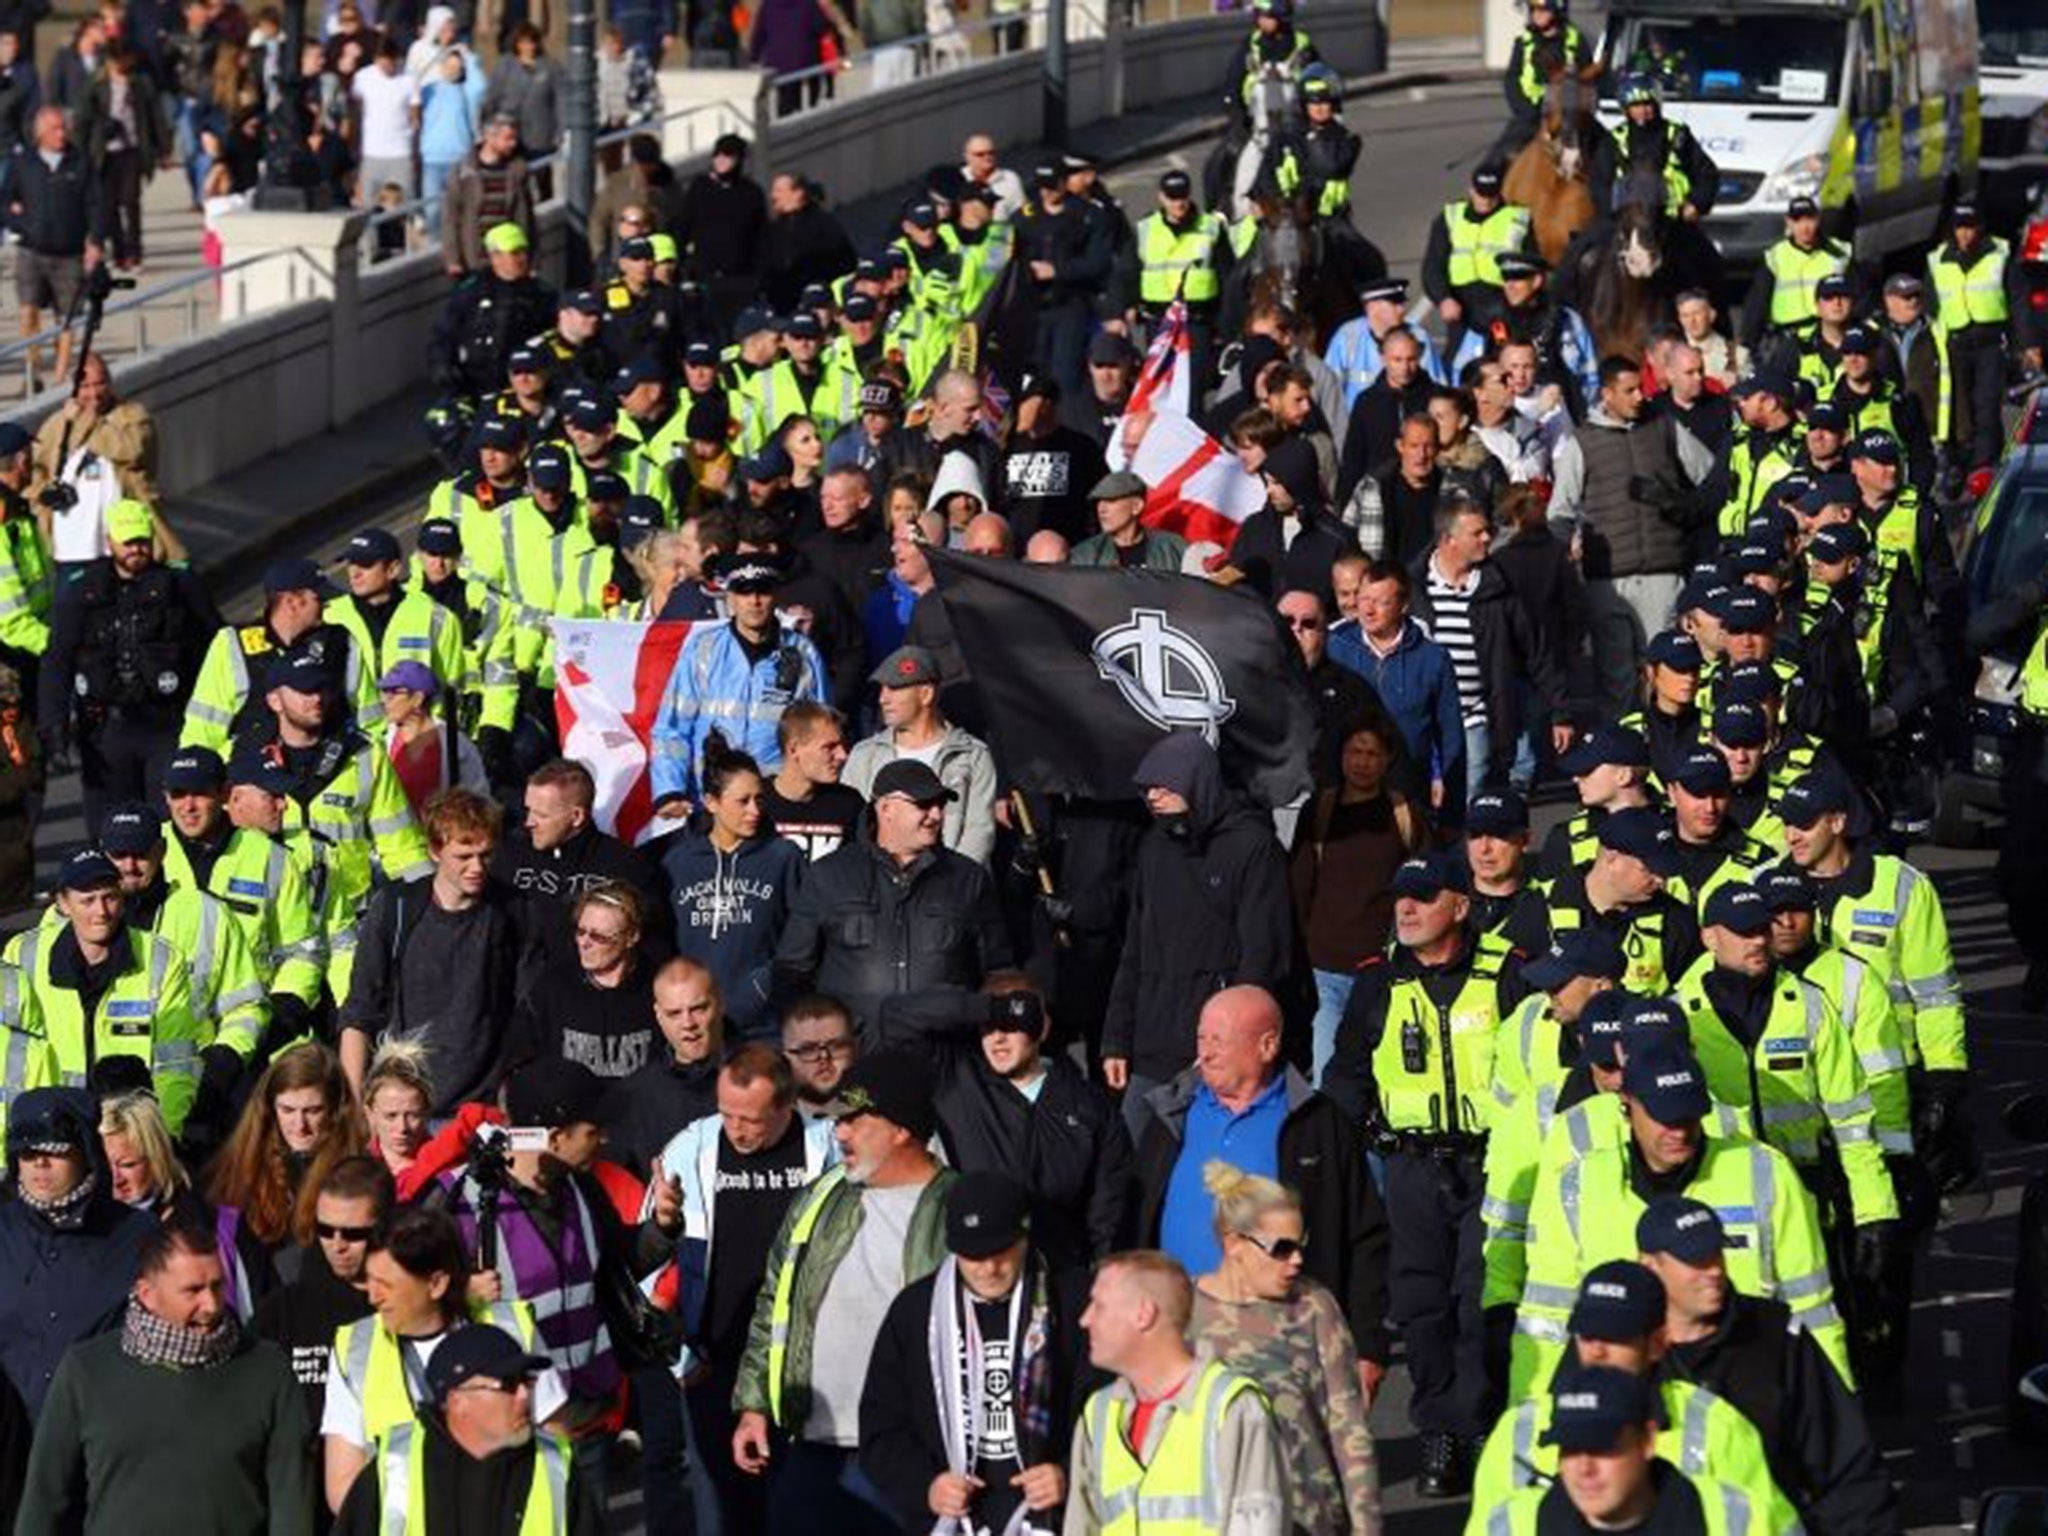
1414 1047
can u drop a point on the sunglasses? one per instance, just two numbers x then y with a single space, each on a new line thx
343 1234
1280 1249
818 1050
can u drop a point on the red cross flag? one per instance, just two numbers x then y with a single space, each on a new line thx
1198 489
609 679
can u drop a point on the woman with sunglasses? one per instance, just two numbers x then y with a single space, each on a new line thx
597 1010
1257 1314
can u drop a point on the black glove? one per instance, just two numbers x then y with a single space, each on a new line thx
213 1107
1499 1339
1937 1102
289 1019
1875 1243
494 746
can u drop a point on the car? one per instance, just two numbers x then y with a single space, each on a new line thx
2005 545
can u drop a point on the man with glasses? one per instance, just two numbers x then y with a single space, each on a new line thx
896 914
819 1042
1342 697
981 169
474 1450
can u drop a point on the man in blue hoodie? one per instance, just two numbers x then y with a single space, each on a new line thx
1209 910
1415 680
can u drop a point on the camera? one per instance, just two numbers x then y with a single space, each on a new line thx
1019 1011
58 496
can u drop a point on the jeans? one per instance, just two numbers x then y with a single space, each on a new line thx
1623 612
434 178
1333 991
1532 741
189 112
665 1482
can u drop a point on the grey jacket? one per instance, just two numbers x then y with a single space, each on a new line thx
965 765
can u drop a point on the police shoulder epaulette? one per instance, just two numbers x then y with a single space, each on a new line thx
255 639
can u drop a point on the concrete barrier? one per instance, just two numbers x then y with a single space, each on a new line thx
287 368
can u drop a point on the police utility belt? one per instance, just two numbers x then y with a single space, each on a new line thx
1443 1146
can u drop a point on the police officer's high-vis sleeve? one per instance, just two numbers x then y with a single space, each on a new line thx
298 954
1927 974
495 668
1511 1161
217 693
1556 1264
177 1036
239 1007
400 845
672 766
1876 1031
1845 1101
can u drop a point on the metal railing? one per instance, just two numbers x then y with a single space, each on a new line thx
162 315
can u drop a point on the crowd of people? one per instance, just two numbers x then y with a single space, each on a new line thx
881 1142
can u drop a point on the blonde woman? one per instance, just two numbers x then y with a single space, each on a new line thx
397 1096
141 1162
1259 1316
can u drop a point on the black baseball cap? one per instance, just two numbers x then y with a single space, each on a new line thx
1593 1406
1602 746
1665 1078
479 1350
1838 542
1829 491
1786 888
1496 813
1738 907
1834 286
195 770
1619 1301
1748 682
296 576
1702 771
548 469
1644 834
1600 1027
1740 725
700 354
986 1212
1744 610
506 432
1876 445
603 485
87 870
1811 796
1576 952
1429 876
1827 416
251 764
130 830
1860 339
914 781
1766 381
373 546
304 669
1177 184
1675 649
592 416
1687 1229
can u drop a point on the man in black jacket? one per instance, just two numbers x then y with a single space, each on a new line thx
1318 1158
332 1287
1292 541
1004 1104
996 1301
59 211
1209 909
1342 697
894 914
1746 1349
1401 391
851 547
803 243
723 228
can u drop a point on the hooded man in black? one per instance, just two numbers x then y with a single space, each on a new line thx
1209 909
1273 558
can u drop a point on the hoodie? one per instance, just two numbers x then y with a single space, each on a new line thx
729 910
68 1278
1209 910
958 474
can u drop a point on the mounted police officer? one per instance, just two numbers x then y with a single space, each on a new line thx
489 314
1318 156
1549 46
1649 160
124 652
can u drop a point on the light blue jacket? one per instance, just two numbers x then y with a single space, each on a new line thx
1581 358
714 686
448 115
1354 356
691 1157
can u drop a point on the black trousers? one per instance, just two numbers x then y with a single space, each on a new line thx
1976 356
2022 872
1434 1278
121 757
122 175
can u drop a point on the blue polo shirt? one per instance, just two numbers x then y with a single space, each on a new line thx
1250 1140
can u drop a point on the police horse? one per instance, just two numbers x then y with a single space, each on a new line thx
1549 175
1312 266
1626 274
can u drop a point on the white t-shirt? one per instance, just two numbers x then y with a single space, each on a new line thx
343 1414
79 532
387 102
929 756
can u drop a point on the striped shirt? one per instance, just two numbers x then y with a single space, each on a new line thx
1451 627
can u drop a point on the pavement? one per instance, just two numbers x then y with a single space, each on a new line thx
1947 1445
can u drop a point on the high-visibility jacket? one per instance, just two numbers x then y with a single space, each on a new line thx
1799 1082
1433 1067
2033 679
982 263
1796 274
1704 1435
660 442
489 646
269 894
644 475
372 1365
1174 1494
26 1057
802 1227
775 394
1179 263
402 1484
146 1011
530 568
1588 1215
1863 1002
1642 941
24 582
1756 462
228 999
1295 62
717 686
419 629
1725 1511
354 826
221 690
1972 295
1872 412
1532 85
1477 245
1897 925
1895 534
1744 855
1677 185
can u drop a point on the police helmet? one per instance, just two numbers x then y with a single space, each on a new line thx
1639 89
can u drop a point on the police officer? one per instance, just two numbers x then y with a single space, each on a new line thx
1066 248
489 314
575 343
1565 354
1669 721
796 386
1978 288
1548 47
267 892
343 810
1622 893
1461 262
1766 446
1421 1084
1609 767
1782 295
491 694
106 988
25 591
1505 900
1872 402
235 676
1329 149
123 656
1812 350
642 318
1179 252
390 624
1905 526
1667 1151
1868 620
1653 162
1713 850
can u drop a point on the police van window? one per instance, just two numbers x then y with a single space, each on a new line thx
2013 33
2014 546
1756 60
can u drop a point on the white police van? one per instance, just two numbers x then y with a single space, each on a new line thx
2012 40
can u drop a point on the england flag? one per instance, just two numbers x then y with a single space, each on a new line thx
609 679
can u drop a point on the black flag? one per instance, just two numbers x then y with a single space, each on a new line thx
1081 670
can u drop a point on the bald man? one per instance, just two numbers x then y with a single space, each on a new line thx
1242 1103
1046 547
1137 1321
988 533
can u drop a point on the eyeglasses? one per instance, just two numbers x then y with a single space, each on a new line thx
343 1234
1308 625
480 1385
597 937
818 1050
1280 1249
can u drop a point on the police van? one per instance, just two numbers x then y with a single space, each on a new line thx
1869 105
2012 38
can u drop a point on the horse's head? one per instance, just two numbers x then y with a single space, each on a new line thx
1568 123
1638 239
1286 246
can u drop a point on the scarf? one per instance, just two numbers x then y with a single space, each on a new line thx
149 1339
954 1335
67 1212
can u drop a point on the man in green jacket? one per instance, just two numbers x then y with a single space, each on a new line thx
848 1245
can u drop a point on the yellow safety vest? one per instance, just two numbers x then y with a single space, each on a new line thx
1795 274
26 1059
1973 295
402 1484
373 1365
800 1231
1434 1066
1677 185
1642 945
1175 1494
2034 676
1532 85
1179 263
1477 245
